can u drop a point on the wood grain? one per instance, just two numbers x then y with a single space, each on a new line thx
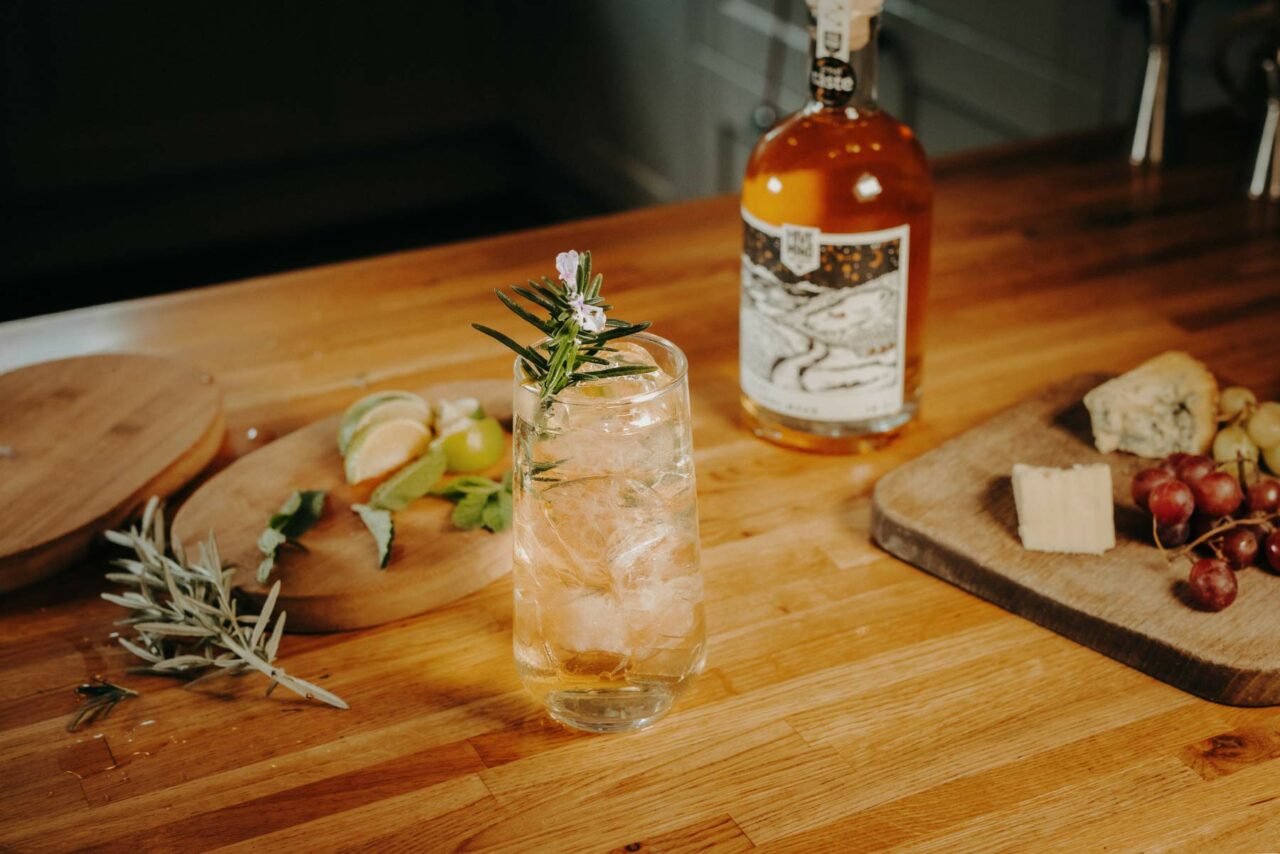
851 701
336 583
951 512
86 441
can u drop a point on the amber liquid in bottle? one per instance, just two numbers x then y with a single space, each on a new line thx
843 169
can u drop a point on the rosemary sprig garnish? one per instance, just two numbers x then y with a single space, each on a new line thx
101 697
575 331
186 618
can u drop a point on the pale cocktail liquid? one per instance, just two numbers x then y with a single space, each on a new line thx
608 627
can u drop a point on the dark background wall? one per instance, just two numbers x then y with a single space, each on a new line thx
149 145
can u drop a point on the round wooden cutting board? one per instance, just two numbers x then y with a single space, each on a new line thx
84 442
335 584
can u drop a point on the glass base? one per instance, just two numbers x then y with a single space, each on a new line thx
826 437
610 710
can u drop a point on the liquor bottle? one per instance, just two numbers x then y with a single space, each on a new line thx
836 208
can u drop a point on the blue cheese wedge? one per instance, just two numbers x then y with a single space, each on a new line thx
1165 405
1065 510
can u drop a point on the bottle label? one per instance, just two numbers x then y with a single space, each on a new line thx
823 320
831 29
831 78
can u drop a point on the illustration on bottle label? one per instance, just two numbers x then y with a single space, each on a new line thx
823 320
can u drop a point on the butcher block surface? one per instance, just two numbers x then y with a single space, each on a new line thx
951 512
850 702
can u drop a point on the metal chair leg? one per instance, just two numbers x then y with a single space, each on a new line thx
1268 159
1149 135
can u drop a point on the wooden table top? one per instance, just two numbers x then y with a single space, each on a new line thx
850 701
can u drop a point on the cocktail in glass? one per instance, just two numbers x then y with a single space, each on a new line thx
609 626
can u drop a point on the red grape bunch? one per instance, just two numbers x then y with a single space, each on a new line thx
1217 521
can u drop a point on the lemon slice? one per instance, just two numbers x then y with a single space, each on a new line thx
380 406
384 446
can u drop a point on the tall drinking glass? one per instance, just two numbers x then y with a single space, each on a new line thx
609 626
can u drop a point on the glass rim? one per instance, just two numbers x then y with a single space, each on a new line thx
677 378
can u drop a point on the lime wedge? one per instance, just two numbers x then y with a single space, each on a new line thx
384 446
380 406
411 482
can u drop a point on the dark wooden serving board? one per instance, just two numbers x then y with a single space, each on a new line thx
951 513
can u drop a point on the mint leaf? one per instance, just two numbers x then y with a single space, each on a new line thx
382 527
468 484
497 512
290 506
265 566
270 540
300 511
469 514
482 502
296 516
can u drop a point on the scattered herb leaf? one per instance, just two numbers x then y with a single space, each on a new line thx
469 512
299 513
100 698
481 502
269 540
468 484
383 528
295 517
497 513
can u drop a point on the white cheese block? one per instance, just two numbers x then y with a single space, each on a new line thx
1065 510
1166 404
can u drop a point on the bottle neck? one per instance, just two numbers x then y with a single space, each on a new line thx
843 67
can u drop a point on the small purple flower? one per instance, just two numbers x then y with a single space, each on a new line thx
588 317
567 267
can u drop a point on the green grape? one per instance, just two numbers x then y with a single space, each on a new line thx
478 446
1233 443
1264 425
1272 456
1246 472
1235 400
